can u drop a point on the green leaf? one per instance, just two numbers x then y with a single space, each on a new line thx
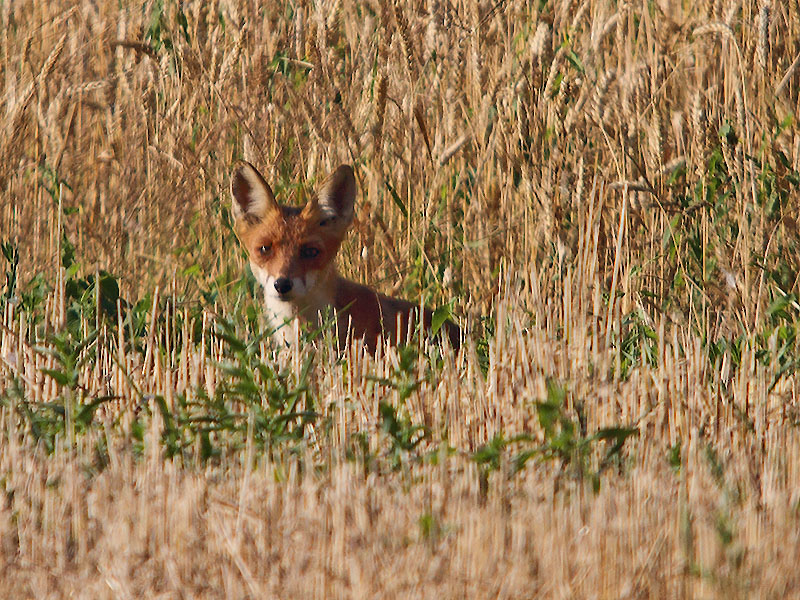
489 454
184 24
616 434
575 61
86 412
440 315
522 458
60 377
397 199
779 306
192 271
67 252
389 418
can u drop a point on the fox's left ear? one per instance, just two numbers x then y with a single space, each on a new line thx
334 202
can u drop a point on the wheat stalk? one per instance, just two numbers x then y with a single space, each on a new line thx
380 113
762 47
408 42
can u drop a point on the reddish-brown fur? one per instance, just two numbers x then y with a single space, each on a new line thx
374 315
299 244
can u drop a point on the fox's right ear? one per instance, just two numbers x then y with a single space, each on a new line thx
253 197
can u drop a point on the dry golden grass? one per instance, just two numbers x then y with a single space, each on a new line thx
609 192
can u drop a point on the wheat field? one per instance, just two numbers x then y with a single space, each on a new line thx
603 195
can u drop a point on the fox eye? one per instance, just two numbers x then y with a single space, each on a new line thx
265 249
309 252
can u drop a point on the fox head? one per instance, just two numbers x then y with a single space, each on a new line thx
291 248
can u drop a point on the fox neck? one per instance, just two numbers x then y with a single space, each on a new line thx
286 315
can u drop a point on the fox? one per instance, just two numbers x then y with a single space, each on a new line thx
292 251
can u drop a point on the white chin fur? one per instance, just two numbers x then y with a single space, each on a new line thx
301 301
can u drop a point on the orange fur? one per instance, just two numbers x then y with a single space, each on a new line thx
292 252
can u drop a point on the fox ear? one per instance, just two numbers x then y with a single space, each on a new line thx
253 197
334 203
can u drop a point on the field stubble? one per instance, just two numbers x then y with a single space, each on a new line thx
608 193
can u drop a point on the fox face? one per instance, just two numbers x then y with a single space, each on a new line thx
292 249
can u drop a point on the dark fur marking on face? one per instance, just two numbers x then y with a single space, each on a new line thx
291 211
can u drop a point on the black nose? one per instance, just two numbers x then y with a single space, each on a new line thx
283 285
